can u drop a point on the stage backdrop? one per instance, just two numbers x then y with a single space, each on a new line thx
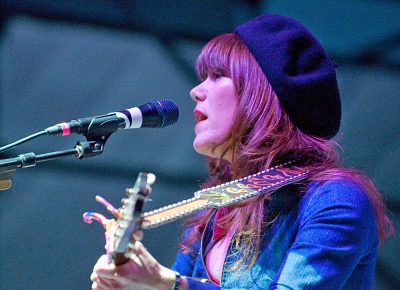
54 71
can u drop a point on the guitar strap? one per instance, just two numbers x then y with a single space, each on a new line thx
227 193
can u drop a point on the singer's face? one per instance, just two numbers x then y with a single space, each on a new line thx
216 104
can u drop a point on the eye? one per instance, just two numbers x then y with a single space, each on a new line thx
216 74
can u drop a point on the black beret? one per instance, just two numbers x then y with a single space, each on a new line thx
299 71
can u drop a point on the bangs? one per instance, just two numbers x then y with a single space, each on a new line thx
216 55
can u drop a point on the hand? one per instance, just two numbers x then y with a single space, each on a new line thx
142 272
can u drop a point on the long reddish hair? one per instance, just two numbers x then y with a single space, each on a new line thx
262 136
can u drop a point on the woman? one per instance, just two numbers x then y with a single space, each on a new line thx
268 94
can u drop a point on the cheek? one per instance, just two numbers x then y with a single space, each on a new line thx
224 116
223 128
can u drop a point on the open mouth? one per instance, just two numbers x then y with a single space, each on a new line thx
199 116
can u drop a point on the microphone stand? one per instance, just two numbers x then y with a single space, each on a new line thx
81 150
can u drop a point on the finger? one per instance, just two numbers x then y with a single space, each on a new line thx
134 252
137 262
144 255
96 278
101 283
101 262
138 235
103 267
139 249
129 269
105 275
96 286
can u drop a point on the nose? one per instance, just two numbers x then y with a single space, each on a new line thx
198 93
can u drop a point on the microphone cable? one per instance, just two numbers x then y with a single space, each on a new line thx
23 140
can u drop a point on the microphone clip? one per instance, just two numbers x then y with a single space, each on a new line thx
89 148
101 127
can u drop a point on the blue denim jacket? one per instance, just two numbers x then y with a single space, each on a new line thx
326 239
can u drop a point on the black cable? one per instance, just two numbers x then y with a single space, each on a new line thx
23 140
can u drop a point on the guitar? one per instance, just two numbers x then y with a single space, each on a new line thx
130 220
120 232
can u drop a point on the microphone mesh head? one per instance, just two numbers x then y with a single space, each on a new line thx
168 110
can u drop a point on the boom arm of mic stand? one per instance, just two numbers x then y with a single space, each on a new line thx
10 165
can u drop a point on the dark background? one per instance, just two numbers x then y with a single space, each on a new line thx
61 60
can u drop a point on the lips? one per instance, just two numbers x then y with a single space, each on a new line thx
199 116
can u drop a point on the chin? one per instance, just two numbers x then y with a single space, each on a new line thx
206 150
201 149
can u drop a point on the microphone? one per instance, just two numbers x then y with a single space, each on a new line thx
155 114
